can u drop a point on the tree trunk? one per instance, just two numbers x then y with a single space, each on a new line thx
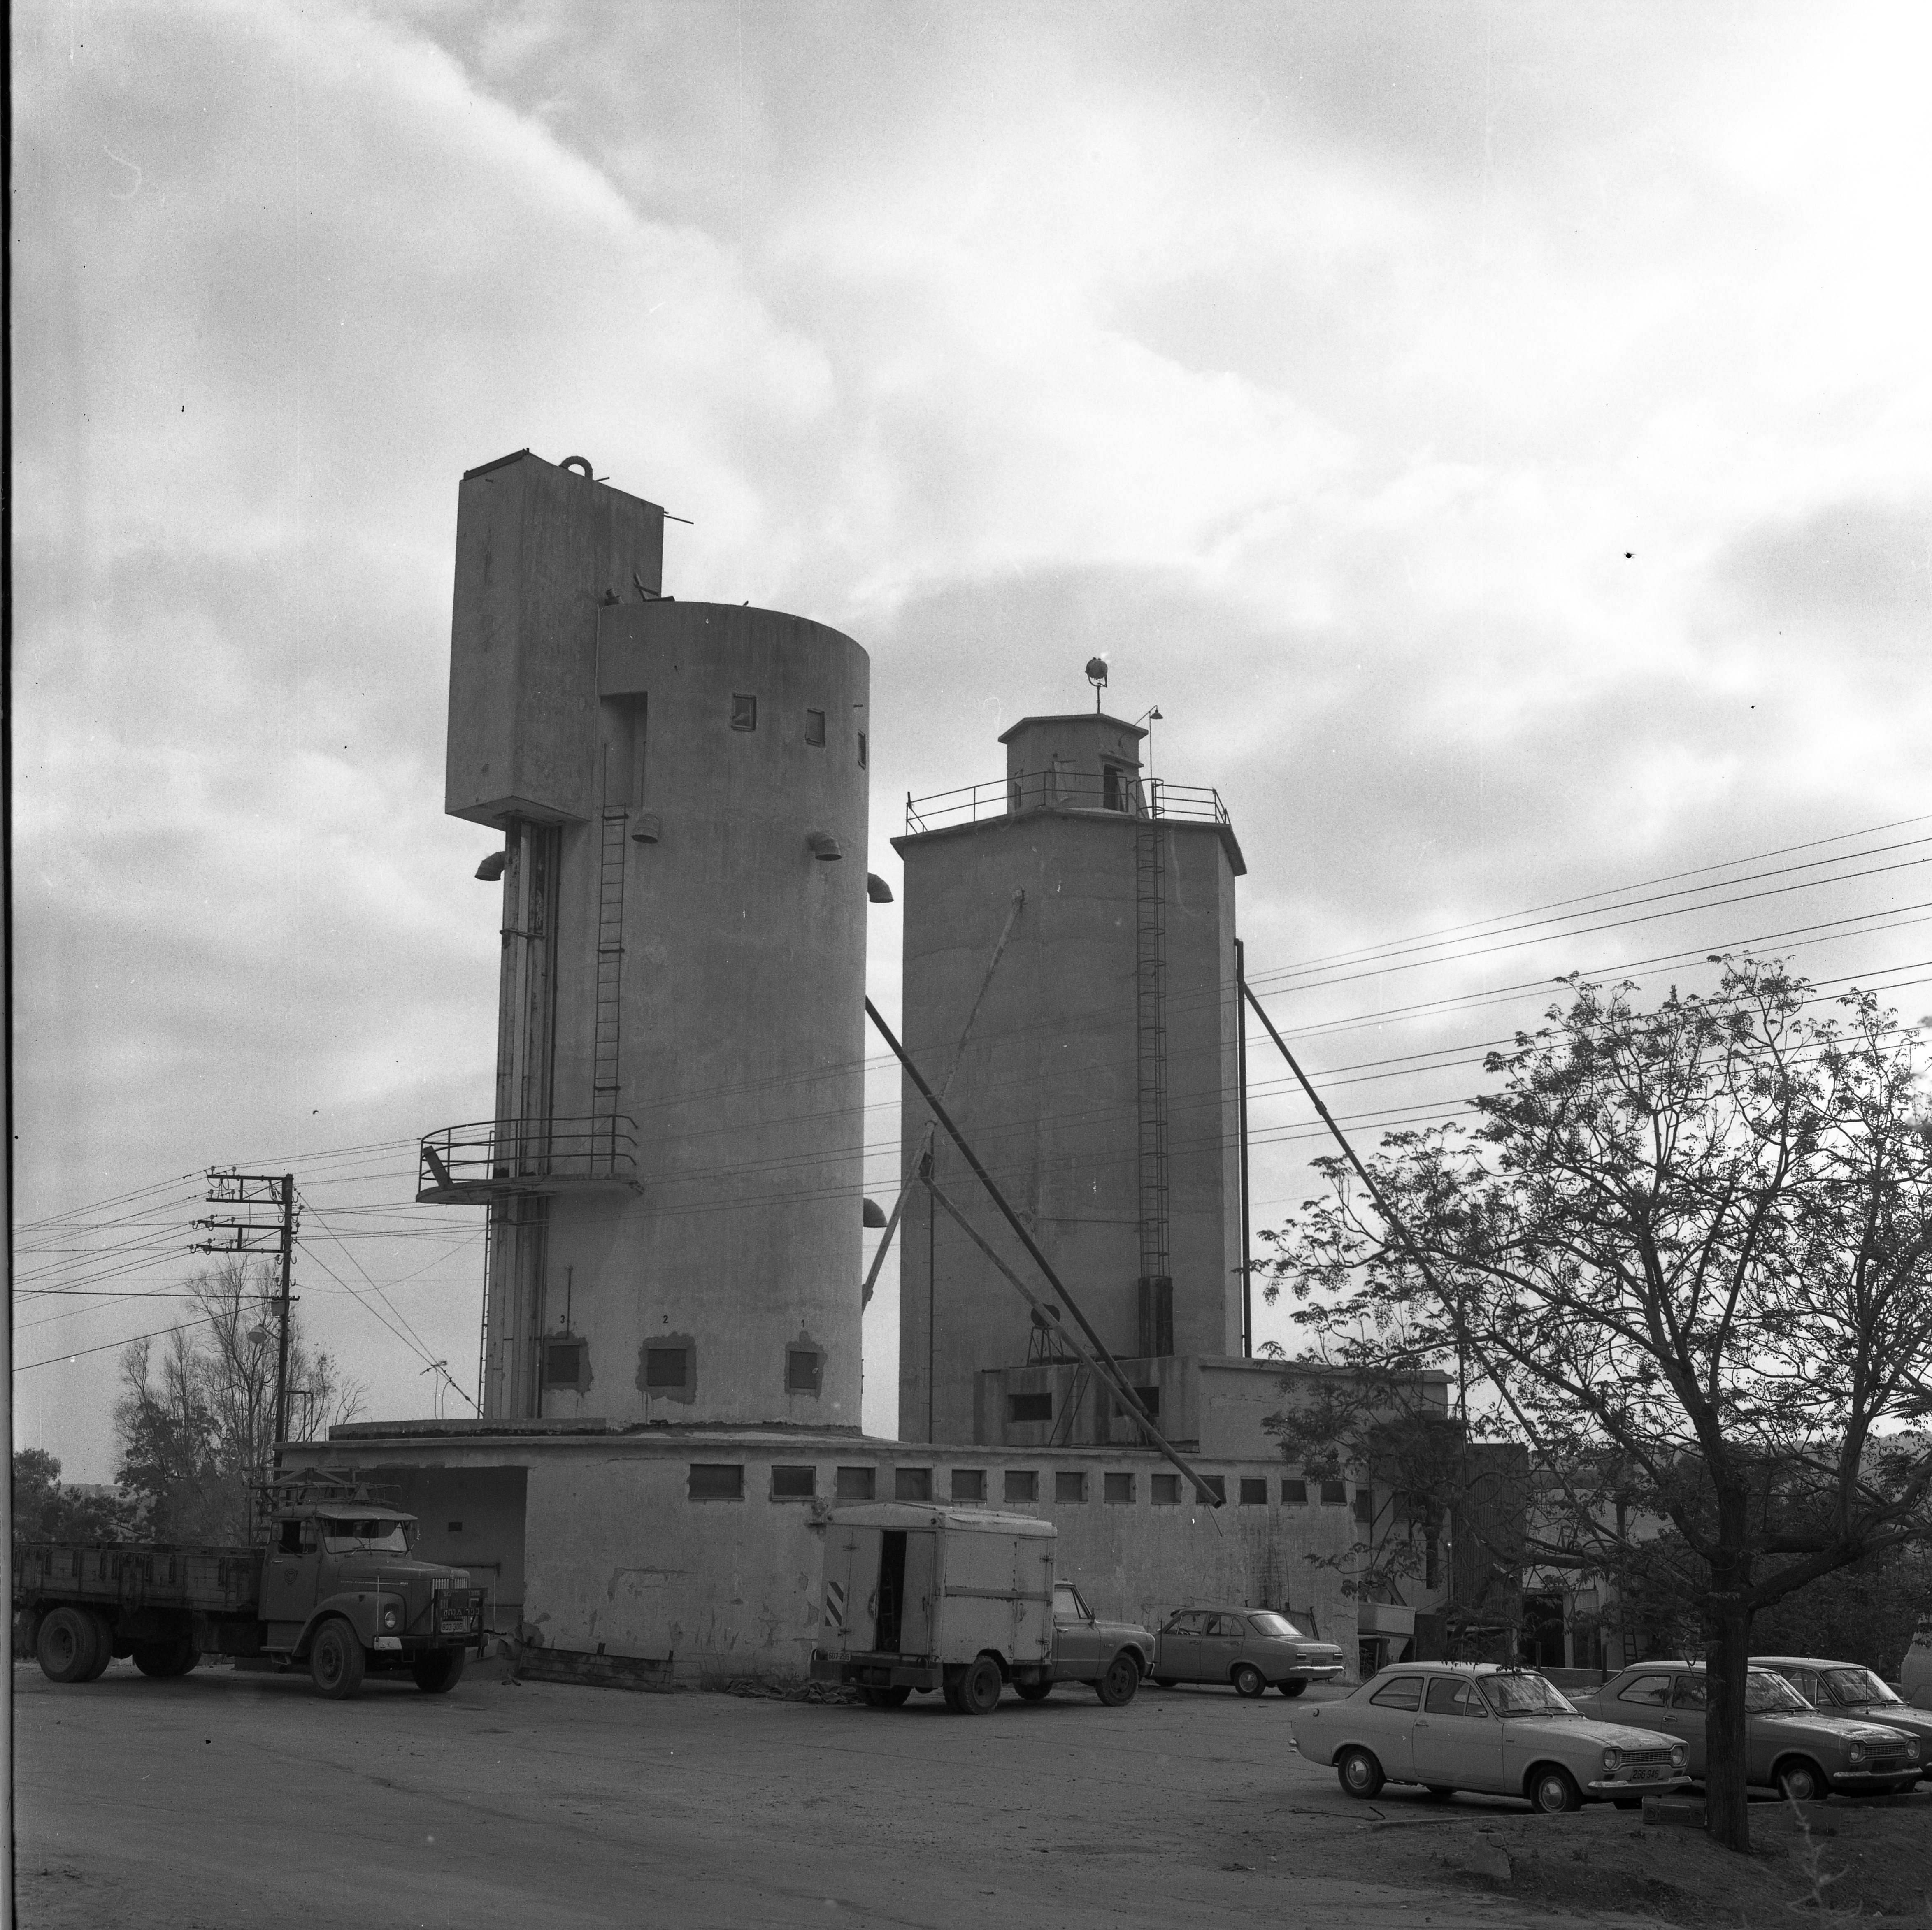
1727 1626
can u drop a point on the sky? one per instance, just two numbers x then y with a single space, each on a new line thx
1495 437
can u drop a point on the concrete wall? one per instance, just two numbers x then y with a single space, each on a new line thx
1047 1091
619 1560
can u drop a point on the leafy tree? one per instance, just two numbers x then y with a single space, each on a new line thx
44 1511
197 1425
1685 1256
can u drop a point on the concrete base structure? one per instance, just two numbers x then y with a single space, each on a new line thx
689 1555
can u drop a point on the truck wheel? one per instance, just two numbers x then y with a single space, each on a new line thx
336 1661
1359 1773
979 1688
1035 1691
103 1645
886 1698
1249 1680
64 1644
1292 1689
1116 1688
165 1659
437 1672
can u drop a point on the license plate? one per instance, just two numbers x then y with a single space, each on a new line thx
1646 1776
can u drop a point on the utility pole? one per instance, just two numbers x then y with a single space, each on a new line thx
252 1235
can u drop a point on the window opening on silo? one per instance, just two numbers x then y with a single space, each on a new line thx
1022 1484
854 1484
1334 1494
1113 788
861 750
1148 1397
1117 1490
1069 1485
794 1484
1295 1493
1165 1490
1365 1505
1030 1407
804 1366
563 1363
814 727
1254 1494
969 1484
912 1484
667 1367
744 711
717 1481
1216 1484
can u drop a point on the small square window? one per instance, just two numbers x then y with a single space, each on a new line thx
744 712
861 750
802 1369
1216 1485
1069 1485
969 1484
667 1367
1254 1494
1118 1489
1030 1407
814 727
712 1481
454 1528
794 1484
1022 1484
563 1363
855 1484
1148 1397
1295 1493
912 1484
1365 1505
1166 1490
1334 1494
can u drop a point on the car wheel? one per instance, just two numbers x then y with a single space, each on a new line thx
886 1698
1116 1688
336 1661
1359 1774
1799 1780
1249 1680
64 1644
1163 1681
1553 1789
979 1688
438 1671
1034 1692
1292 1688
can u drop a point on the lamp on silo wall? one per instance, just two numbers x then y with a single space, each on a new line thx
825 848
492 867
1096 676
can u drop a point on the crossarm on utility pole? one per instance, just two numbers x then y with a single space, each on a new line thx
1050 1316
1117 1376
945 1086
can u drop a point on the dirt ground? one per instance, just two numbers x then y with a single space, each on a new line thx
227 1800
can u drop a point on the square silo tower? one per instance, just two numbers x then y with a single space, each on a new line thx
1098 1078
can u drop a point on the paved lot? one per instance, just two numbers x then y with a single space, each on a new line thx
236 1800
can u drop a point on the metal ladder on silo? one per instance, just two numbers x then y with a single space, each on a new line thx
609 971
1150 1017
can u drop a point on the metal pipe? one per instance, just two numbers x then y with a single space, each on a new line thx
1241 1064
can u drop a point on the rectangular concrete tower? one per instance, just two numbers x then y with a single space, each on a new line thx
1098 1079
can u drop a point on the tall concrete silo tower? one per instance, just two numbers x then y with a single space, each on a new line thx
1098 1078
672 1175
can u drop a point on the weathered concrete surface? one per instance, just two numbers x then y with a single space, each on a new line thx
226 1800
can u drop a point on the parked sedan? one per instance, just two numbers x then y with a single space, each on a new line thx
1845 1688
1502 1731
1790 1746
1252 1648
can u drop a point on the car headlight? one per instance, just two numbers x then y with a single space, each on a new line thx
392 1617
1911 1750
1679 1755
1613 1760
1857 1752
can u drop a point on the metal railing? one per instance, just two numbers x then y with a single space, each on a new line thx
490 1158
1063 791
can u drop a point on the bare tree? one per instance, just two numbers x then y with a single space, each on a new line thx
1686 1258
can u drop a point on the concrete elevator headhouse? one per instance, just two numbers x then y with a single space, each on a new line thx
1070 974
672 1174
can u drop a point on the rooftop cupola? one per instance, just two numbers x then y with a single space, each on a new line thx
1085 761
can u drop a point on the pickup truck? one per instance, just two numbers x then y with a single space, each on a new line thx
336 1588
963 1600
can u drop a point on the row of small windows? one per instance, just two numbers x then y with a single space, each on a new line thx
672 1369
725 1481
745 717
1023 1407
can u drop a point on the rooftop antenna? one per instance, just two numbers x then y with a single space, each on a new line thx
1096 676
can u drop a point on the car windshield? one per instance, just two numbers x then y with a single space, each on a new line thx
1769 1694
1523 1695
1857 1685
1269 1623
346 1535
